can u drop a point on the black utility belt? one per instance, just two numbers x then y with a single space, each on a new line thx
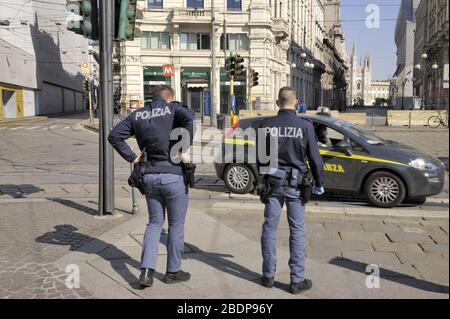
290 177
160 163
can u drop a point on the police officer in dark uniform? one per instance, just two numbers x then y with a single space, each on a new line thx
297 146
164 184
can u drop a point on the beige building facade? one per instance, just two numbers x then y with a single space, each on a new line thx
270 35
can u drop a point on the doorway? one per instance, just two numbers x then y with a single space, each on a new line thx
197 98
9 104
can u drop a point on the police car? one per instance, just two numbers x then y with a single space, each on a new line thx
356 162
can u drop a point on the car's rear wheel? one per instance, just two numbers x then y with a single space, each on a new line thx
239 178
385 190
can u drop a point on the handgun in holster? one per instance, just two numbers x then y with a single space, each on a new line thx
189 174
306 187
136 178
263 189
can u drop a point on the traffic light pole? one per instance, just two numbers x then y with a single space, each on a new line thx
106 173
250 97
212 108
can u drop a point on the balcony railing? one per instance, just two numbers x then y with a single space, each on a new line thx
193 13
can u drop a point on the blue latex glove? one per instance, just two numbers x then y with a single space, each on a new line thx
318 190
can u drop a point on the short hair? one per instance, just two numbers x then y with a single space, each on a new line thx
164 91
287 96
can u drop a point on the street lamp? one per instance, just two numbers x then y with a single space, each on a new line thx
423 66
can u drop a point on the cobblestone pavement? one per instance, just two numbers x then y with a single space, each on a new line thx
42 161
29 246
402 247
432 142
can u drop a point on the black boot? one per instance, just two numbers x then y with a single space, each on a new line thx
146 277
176 277
300 287
267 282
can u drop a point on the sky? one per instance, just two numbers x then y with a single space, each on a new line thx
378 42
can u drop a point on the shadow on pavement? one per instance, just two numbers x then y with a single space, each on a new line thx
19 191
67 235
392 276
216 260
80 207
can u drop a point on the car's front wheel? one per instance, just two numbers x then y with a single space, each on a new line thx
385 190
239 178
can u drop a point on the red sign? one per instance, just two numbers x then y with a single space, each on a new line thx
168 70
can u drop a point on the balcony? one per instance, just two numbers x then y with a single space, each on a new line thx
188 16
280 27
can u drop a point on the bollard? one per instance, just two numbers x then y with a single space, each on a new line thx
135 208
373 114
409 120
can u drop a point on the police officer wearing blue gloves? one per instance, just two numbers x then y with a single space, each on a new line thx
297 146
164 183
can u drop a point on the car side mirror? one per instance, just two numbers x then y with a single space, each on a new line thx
344 147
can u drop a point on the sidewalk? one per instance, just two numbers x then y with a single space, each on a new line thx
224 264
218 199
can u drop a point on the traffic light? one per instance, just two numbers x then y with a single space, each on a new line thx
254 78
87 24
86 86
230 66
240 68
126 15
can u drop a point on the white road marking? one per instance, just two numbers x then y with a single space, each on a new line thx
33 127
16 128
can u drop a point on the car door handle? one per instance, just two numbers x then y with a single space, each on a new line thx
364 162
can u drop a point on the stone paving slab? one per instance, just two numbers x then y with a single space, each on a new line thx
397 247
363 236
400 236
377 258
340 244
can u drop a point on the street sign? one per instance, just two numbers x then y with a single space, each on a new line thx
168 70
85 68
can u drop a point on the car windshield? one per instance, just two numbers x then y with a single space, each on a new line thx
367 136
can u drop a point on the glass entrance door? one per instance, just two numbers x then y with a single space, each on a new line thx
194 99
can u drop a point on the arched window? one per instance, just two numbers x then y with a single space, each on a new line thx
358 86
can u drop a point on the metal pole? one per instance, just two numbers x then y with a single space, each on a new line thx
91 115
106 182
250 86
213 115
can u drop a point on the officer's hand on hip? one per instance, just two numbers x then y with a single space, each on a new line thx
318 190
138 158
185 157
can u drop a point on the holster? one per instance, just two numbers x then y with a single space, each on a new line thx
188 174
306 187
136 178
263 189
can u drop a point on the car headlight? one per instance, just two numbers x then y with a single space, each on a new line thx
422 165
